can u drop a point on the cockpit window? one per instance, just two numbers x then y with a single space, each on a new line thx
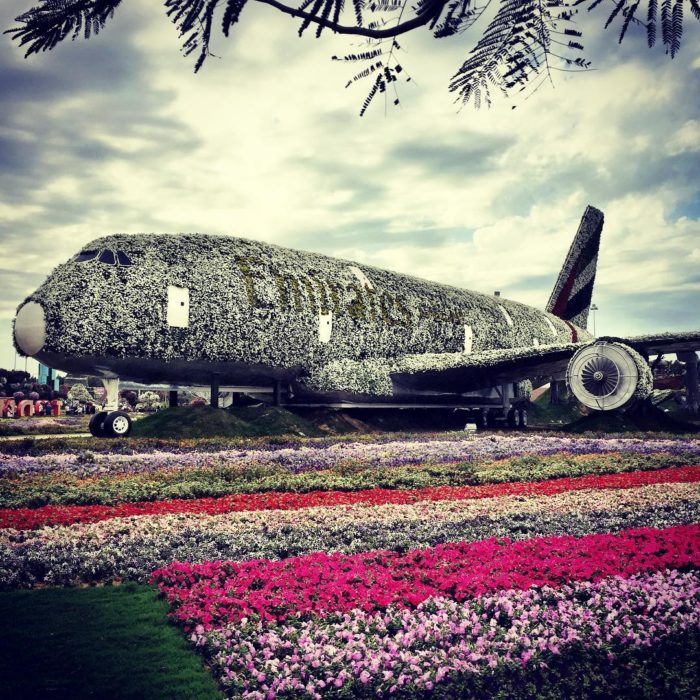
123 259
107 257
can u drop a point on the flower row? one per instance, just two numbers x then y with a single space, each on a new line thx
131 548
442 645
321 456
25 518
217 593
192 483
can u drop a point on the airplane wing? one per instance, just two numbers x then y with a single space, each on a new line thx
461 372
662 343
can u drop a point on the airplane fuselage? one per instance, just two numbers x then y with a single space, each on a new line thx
189 305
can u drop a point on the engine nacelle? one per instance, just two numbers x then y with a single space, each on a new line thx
607 375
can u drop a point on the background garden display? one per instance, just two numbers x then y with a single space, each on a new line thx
382 566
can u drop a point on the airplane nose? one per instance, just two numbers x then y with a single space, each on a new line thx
30 328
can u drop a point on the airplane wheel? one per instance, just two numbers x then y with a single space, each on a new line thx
96 426
117 424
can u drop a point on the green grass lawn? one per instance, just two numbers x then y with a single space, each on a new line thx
112 642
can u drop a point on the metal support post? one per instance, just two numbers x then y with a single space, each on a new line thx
111 386
278 393
690 359
214 400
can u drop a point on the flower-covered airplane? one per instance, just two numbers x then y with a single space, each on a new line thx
195 309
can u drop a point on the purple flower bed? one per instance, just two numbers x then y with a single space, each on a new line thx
316 457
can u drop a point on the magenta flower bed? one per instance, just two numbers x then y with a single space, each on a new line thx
217 593
441 639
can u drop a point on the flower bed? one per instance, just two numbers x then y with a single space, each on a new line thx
451 568
448 646
131 548
321 456
207 480
216 593
24 518
44 425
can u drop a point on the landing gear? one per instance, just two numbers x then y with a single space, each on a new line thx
97 424
117 424
112 424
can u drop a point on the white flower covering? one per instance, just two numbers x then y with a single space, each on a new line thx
433 362
645 382
258 304
351 376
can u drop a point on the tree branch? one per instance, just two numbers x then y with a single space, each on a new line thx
430 10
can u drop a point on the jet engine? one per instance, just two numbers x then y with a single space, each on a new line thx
608 375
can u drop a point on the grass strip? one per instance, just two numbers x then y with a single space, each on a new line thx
111 642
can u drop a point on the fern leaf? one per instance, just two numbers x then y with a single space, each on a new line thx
338 9
459 15
358 6
231 14
676 28
629 16
593 5
652 10
514 48
615 12
695 8
313 11
325 13
194 18
51 21
371 95
666 22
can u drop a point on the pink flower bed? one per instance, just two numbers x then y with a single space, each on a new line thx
216 593
442 641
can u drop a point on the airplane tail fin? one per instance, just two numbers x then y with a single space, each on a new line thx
571 297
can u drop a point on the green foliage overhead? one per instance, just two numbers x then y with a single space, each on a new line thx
523 42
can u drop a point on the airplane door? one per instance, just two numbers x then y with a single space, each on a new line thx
325 326
178 307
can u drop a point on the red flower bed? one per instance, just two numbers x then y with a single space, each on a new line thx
28 518
215 593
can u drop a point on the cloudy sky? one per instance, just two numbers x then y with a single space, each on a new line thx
117 135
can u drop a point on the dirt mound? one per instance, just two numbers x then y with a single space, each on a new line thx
205 421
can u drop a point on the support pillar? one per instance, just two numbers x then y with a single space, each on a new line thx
278 393
553 392
111 386
172 398
692 391
214 399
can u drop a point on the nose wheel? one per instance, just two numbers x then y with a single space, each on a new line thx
110 424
